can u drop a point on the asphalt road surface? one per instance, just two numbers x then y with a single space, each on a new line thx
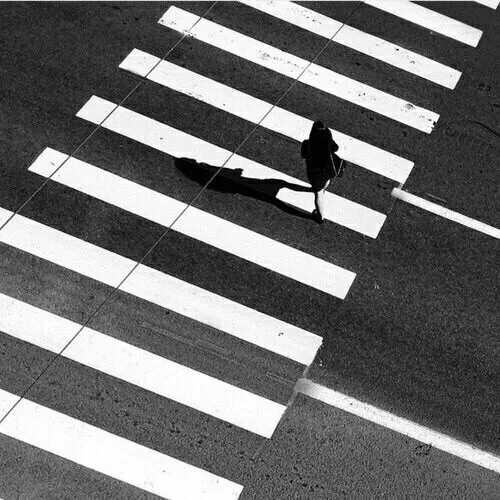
174 324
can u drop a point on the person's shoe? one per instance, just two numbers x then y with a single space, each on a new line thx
317 216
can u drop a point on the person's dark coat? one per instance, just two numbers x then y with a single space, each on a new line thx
320 156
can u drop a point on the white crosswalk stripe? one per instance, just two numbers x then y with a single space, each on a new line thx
257 111
195 223
7 402
294 67
139 367
110 454
4 217
159 288
429 19
179 144
353 38
493 4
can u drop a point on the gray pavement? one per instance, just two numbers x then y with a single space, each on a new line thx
416 336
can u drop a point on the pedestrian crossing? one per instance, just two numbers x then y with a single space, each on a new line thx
195 223
179 144
353 38
139 367
265 114
154 286
97 447
114 456
300 70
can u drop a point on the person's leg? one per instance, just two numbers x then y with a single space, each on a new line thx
319 200
319 203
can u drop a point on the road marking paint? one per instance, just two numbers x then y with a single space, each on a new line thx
4 217
493 4
65 250
224 314
433 21
398 424
445 212
195 85
195 223
160 289
6 403
294 67
34 325
112 455
179 144
140 368
358 40
254 110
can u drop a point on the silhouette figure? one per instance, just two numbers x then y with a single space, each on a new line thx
231 181
319 153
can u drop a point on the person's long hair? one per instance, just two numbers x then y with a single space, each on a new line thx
320 139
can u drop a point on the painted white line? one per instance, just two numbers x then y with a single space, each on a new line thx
6 403
195 223
224 315
289 65
65 250
433 21
492 4
375 100
254 110
195 85
34 325
4 217
179 144
358 40
445 212
398 424
112 455
141 368
161 289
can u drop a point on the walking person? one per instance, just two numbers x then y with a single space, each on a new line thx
322 164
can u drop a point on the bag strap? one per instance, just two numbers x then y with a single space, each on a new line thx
334 167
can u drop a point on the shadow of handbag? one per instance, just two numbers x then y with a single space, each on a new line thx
342 164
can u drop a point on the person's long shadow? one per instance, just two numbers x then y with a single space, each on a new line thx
231 181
